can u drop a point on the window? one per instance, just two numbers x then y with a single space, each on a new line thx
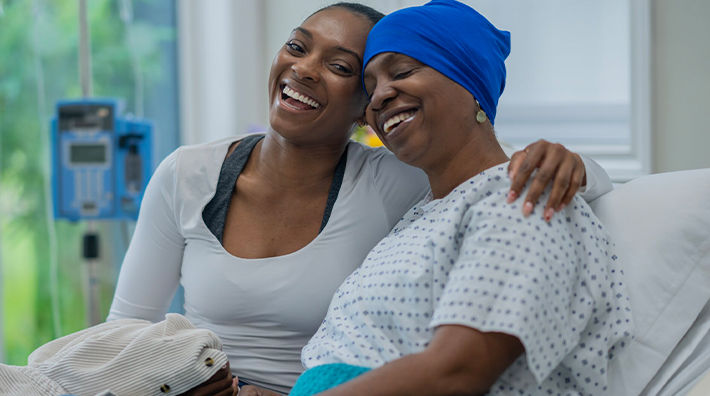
578 74
133 56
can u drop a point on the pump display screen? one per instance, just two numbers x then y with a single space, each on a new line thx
87 154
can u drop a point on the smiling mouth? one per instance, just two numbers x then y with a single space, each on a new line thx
297 99
398 119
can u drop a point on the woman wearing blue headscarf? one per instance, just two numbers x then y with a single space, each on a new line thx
464 295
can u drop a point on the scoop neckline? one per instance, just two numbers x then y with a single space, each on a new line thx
224 251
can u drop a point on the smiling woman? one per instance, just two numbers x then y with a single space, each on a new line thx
262 214
419 108
464 296
320 64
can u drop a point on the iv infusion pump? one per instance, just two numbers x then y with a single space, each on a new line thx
101 162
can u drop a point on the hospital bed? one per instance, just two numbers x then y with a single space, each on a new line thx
661 226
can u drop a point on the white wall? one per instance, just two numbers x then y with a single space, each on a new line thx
222 64
681 84
226 49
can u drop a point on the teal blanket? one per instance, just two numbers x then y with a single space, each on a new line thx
322 378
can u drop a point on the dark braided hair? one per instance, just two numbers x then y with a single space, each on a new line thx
356 8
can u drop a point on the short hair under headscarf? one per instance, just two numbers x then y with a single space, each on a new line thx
453 39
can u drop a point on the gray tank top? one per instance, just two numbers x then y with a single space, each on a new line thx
215 212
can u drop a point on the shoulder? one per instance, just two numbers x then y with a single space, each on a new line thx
210 152
397 185
487 189
202 159
383 167
487 212
366 155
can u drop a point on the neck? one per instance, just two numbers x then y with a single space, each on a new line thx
289 165
480 152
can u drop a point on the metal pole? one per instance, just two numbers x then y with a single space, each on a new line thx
2 268
91 250
91 238
84 51
2 312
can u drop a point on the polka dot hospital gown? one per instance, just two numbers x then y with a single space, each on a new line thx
471 259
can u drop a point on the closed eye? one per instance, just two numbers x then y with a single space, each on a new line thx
404 74
342 68
369 91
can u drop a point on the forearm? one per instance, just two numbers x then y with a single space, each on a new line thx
410 375
458 361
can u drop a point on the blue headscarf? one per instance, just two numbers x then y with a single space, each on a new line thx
451 38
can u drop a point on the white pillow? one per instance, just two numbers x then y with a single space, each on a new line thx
661 226
688 363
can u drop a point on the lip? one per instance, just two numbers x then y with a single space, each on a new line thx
300 89
401 126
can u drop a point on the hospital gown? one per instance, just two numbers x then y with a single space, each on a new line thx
471 259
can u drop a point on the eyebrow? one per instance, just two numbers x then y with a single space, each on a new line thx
339 48
386 60
304 31
351 52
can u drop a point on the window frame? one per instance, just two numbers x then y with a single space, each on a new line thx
621 161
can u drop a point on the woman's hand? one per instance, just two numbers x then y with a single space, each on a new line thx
220 384
555 164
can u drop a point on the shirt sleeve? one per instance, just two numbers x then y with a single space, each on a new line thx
523 277
399 185
151 267
598 181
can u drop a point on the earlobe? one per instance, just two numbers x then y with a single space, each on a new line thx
481 116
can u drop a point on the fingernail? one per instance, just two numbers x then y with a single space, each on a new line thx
561 207
548 214
511 196
527 208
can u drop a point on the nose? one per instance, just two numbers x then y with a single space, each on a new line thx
306 68
381 96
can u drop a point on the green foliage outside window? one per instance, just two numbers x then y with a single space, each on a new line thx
38 66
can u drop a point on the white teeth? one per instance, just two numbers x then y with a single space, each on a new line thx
300 97
396 119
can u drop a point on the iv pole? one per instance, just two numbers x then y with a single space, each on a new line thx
90 241
2 312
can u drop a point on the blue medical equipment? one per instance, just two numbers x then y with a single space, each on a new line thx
101 162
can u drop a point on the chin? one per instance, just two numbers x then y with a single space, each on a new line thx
407 157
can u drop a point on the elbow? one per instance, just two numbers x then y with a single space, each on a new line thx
469 362
459 376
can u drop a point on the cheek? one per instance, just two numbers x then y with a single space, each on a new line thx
349 95
370 119
277 67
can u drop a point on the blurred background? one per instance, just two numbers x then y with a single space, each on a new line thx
624 81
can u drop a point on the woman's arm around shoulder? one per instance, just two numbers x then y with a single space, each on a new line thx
565 171
151 267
